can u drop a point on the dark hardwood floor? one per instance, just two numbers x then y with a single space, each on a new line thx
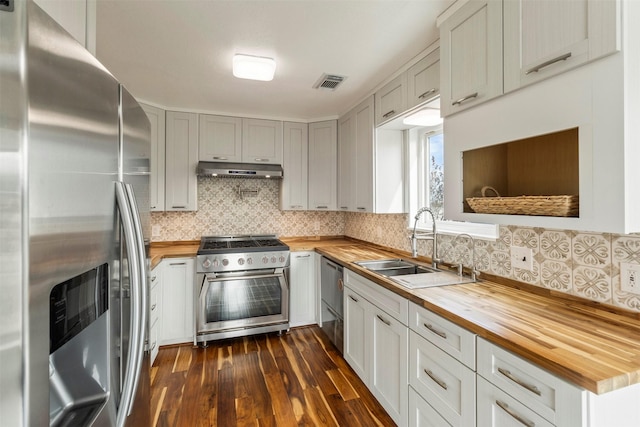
265 380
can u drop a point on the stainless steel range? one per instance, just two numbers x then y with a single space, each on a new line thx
241 287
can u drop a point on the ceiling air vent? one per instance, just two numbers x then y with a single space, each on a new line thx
329 82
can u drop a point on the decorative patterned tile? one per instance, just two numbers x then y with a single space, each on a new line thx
583 264
624 249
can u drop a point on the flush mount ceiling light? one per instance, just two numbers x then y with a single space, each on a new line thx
253 67
424 117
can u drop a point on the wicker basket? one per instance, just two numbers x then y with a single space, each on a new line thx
564 205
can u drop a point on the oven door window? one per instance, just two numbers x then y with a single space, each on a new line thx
243 301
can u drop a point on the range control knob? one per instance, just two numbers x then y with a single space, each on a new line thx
273 260
281 259
225 262
249 261
265 260
216 263
206 263
241 261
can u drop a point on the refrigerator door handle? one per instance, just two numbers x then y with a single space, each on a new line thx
126 217
143 300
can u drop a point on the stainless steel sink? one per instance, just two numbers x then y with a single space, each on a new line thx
394 267
412 275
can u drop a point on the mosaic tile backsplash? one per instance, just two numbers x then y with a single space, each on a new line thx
577 263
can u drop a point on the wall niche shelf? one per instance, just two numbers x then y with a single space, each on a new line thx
532 176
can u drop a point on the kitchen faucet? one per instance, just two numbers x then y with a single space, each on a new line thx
425 236
473 256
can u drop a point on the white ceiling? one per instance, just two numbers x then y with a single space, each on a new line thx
177 53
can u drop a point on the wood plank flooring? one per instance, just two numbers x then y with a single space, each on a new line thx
298 378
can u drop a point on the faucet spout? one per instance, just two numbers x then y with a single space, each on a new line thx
433 237
473 256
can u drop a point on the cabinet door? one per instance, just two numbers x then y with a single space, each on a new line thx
323 150
356 333
155 309
181 192
364 142
391 100
302 289
156 182
261 141
471 55
293 193
220 139
346 156
389 370
71 15
544 38
177 321
423 80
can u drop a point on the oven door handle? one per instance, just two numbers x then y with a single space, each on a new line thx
258 274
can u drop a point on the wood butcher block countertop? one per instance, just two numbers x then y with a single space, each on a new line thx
588 344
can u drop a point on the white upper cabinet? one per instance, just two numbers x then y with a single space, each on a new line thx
471 55
156 182
371 165
323 152
423 80
544 38
391 100
293 193
261 141
363 178
220 139
345 162
181 193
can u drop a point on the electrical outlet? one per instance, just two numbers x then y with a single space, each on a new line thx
630 277
155 231
521 258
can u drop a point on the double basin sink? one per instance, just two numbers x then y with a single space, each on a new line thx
412 275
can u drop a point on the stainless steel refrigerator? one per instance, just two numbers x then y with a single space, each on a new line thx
74 223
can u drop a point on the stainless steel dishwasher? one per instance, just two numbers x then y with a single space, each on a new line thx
331 293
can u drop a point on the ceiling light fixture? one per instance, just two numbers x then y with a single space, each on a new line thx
253 67
424 117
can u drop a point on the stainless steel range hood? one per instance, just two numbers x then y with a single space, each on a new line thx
239 170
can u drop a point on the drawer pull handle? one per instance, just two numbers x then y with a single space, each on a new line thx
179 207
435 331
530 387
390 113
344 207
153 279
261 159
464 98
353 298
153 307
361 209
517 417
547 63
220 158
427 93
178 263
435 379
322 207
383 320
153 346
303 256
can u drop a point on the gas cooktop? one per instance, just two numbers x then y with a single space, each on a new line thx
242 243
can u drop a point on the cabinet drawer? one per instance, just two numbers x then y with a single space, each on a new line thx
153 340
393 304
421 414
448 385
497 409
544 393
453 339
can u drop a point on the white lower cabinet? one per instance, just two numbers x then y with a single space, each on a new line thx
421 414
515 392
302 289
448 385
376 342
177 320
155 307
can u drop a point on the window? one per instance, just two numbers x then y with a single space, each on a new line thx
426 185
